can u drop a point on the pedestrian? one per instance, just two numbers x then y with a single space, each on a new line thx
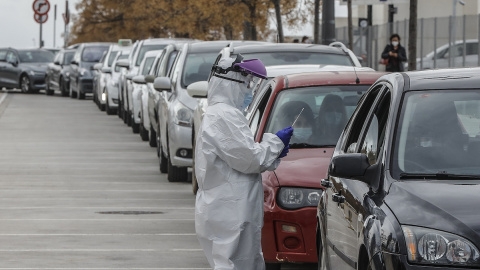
305 39
228 163
394 55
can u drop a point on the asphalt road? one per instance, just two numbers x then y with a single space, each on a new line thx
79 190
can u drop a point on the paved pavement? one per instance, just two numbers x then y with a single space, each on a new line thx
79 190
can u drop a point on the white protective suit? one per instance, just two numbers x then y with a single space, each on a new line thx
228 163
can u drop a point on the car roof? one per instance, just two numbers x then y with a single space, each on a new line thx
332 78
91 44
153 41
153 53
208 46
279 70
288 47
456 78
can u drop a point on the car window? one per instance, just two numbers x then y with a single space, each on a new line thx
58 58
472 48
197 67
67 57
147 65
156 66
438 132
3 55
375 134
290 58
111 58
11 58
123 56
259 110
171 60
358 120
93 53
146 48
321 113
36 56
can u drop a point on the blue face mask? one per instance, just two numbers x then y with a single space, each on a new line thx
333 118
302 134
247 100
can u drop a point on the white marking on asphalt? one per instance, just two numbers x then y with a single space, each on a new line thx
187 250
3 97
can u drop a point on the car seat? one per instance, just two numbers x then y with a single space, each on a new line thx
289 111
331 120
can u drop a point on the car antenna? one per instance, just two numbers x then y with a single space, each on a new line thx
357 80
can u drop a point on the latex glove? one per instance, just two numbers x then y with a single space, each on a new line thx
284 151
285 135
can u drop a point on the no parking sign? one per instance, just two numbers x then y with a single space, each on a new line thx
41 8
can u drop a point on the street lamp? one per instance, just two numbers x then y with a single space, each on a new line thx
451 60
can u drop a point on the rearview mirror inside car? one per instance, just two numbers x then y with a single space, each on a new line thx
198 89
162 84
140 79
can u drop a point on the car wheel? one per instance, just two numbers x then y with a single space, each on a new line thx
143 131
25 84
48 90
194 176
80 95
272 266
119 109
162 161
176 174
152 138
108 109
63 88
129 119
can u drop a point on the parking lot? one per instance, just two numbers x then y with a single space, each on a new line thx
79 190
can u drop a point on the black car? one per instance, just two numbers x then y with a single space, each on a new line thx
58 72
24 69
81 76
404 180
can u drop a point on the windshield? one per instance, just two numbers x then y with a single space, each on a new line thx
67 58
326 110
93 53
111 58
438 133
197 67
123 56
35 56
304 58
147 65
145 49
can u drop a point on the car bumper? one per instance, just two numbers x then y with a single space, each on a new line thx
37 82
180 138
289 235
399 262
112 96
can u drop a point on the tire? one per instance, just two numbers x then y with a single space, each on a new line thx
129 119
152 138
108 110
162 160
80 94
48 91
176 174
135 127
25 84
119 110
273 266
63 88
143 131
101 106
194 176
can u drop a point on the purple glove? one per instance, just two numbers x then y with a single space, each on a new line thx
285 135
284 152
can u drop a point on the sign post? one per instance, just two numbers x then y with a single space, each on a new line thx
41 8
66 19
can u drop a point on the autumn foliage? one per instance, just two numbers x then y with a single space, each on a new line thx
110 20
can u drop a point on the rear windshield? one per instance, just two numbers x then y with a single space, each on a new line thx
93 53
305 58
145 49
197 67
438 132
326 110
36 56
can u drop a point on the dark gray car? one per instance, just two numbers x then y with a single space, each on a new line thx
58 72
24 69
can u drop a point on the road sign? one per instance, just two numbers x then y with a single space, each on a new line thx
41 7
40 18
375 2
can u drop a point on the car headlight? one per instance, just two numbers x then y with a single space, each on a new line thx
67 74
183 115
84 72
295 198
427 246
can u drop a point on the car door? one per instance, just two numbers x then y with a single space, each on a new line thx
342 216
75 69
3 66
12 70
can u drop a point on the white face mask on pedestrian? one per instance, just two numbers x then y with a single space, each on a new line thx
395 43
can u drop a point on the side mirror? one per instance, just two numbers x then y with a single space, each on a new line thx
123 63
73 62
150 78
198 89
140 79
129 76
56 63
13 62
355 166
162 84
106 70
98 66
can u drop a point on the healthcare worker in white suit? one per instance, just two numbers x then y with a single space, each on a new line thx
228 163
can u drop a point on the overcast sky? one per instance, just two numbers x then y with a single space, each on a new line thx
19 29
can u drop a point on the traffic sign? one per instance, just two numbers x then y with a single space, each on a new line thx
40 18
41 7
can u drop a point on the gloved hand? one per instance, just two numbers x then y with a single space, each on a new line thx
284 151
285 135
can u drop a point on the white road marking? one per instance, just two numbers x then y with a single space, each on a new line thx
3 97
187 250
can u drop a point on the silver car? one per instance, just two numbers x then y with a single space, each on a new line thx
114 83
176 107
440 58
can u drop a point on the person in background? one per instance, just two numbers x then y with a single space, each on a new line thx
305 39
229 202
395 54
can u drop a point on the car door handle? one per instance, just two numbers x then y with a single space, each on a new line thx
338 198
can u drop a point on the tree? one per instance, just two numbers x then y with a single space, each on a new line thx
412 40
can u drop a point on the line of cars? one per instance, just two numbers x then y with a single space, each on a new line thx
398 152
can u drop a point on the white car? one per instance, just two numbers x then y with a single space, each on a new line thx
199 90
114 83
140 89
441 59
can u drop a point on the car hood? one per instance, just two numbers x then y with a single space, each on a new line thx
304 167
42 67
449 206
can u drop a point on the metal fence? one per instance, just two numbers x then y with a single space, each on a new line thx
433 47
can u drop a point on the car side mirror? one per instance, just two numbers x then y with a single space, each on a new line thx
129 76
198 89
140 79
13 62
73 62
162 84
98 66
355 166
106 70
150 78
123 63
56 63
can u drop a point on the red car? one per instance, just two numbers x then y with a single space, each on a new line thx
320 104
